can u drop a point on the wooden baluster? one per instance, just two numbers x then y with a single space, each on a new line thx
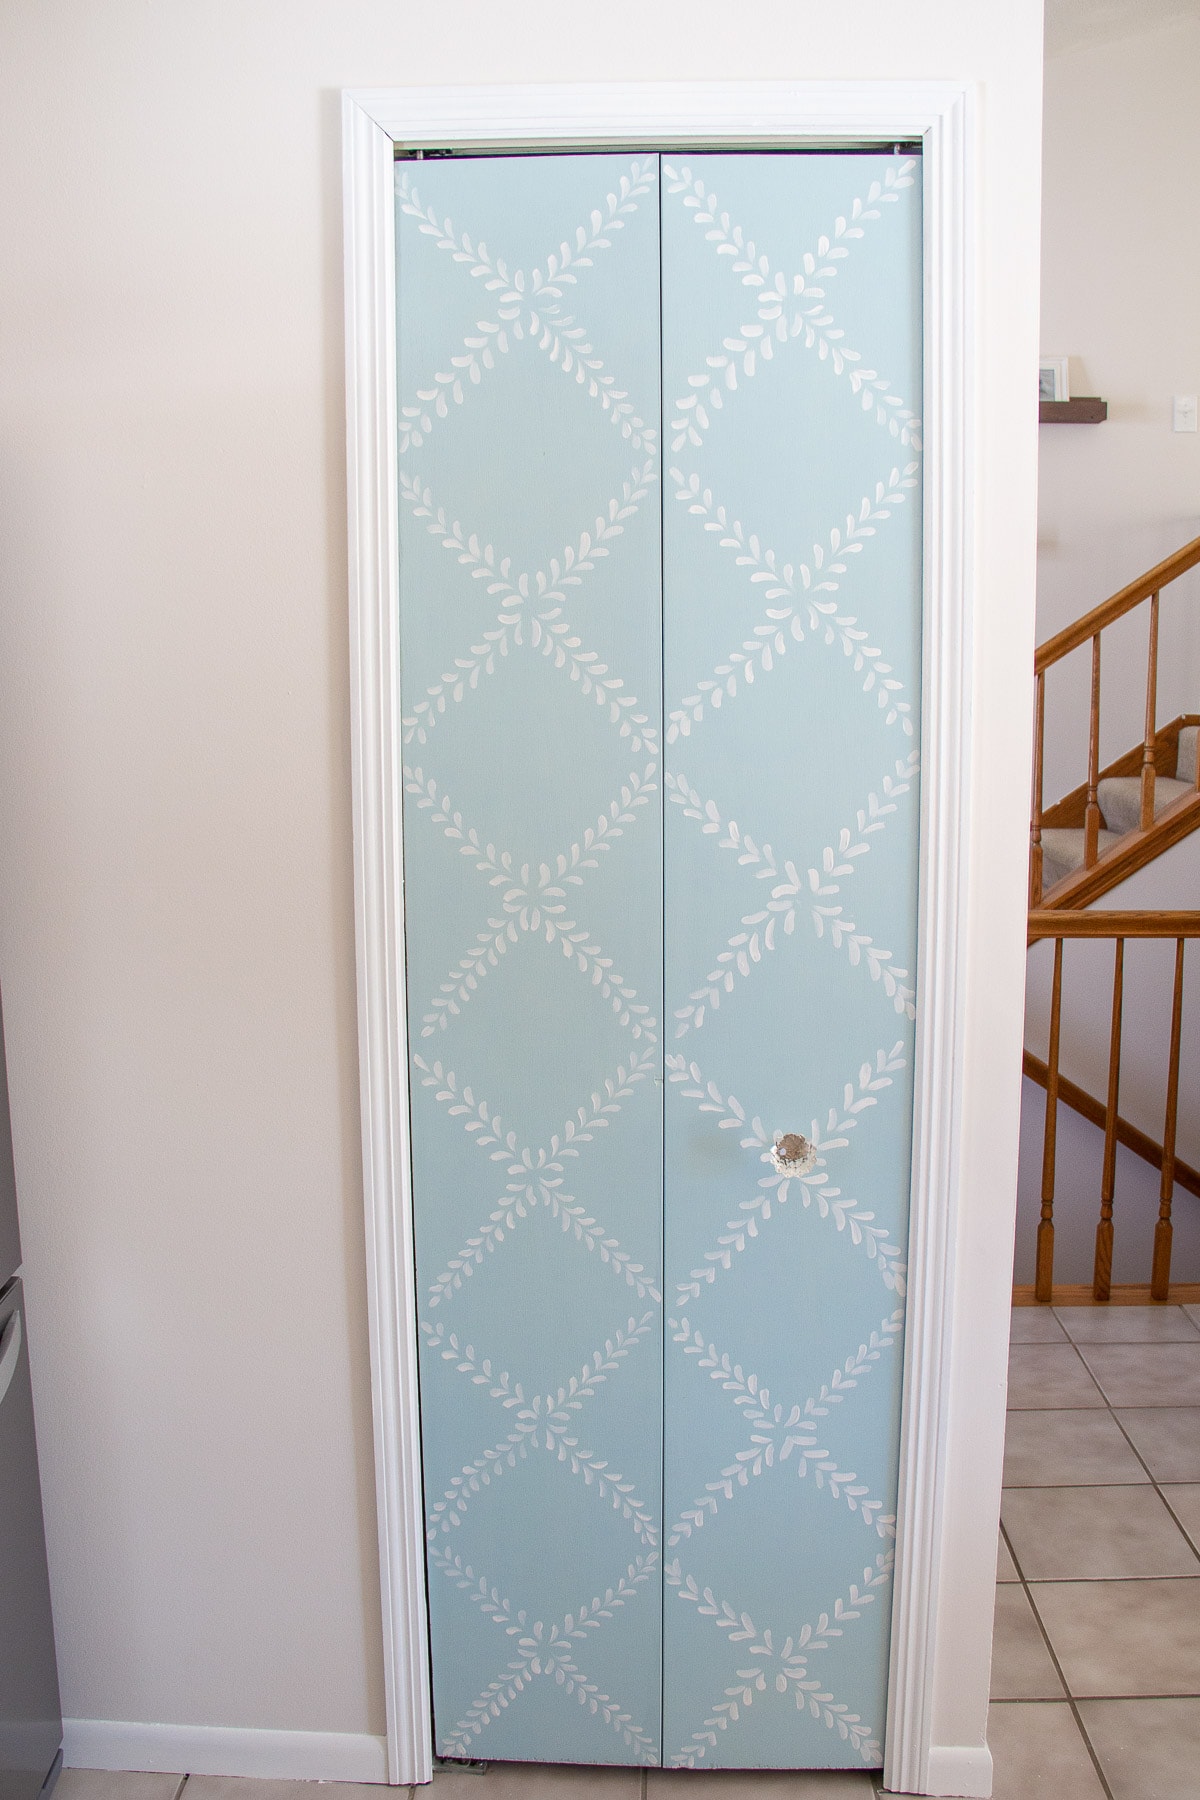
1044 1276
1091 819
1160 1275
1149 771
1039 746
1102 1274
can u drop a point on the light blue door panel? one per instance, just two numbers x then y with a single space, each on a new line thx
791 358
660 1375
531 677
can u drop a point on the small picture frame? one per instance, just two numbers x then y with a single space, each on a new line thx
1053 379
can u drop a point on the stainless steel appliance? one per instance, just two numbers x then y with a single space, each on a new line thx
30 1719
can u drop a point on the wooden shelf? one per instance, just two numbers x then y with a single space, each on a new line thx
1087 410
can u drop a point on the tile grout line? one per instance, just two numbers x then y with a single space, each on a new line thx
1157 1486
1071 1698
1112 1413
1102 1699
1058 1670
183 1781
1188 1538
1053 1655
1150 1476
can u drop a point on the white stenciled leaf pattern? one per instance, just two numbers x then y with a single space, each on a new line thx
530 611
775 1189
792 595
837 865
726 831
527 305
514 1441
780 1433
535 1176
790 1661
546 372
532 901
567 344
758 931
543 1650
542 1421
790 309
798 560
838 860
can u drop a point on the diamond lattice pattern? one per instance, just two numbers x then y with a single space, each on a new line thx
603 1238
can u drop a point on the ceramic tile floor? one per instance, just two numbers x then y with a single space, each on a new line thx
1096 1663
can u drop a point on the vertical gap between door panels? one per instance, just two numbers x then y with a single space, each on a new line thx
662 1051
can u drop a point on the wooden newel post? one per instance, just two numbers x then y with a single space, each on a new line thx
1160 1274
1044 1275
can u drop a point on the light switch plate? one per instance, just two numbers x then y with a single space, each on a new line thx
1183 412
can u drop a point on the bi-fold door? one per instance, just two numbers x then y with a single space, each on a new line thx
660 613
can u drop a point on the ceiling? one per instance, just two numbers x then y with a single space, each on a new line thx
1070 24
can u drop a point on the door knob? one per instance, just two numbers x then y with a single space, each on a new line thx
792 1154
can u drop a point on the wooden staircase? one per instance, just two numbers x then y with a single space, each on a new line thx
1123 844
1123 817
1126 814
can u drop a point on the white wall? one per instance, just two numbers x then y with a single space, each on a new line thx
175 922
1120 276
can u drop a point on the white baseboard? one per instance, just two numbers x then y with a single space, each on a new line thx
961 1770
225 1750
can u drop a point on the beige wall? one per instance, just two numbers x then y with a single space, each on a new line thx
175 889
1120 280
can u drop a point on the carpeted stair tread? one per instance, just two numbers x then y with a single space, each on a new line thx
1062 852
1120 799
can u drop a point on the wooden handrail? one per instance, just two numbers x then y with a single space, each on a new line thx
1072 636
1113 925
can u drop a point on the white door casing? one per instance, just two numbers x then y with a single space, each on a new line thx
647 116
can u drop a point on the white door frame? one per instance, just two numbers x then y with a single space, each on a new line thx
645 116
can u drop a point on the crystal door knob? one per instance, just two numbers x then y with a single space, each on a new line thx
792 1154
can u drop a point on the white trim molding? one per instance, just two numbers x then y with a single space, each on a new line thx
958 1770
940 115
224 1750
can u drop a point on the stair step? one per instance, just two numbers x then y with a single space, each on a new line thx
1062 852
1185 768
1121 799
